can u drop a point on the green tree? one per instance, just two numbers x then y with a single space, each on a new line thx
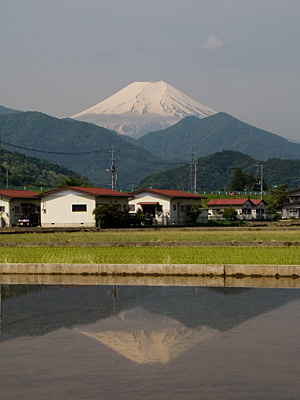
194 213
111 216
277 196
230 214
241 180
70 181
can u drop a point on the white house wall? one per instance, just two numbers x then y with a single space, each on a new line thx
56 209
174 215
177 214
291 210
259 211
12 209
5 219
252 213
17 208
146 198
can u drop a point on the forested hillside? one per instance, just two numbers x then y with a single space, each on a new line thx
23 171
216 133
82 147
214 172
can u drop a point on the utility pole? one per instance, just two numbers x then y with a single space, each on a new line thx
261 179
113 169
193 173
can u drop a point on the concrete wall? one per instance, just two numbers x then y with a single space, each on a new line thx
252 270
151 280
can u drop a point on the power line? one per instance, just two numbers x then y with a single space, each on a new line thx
56 152
142 159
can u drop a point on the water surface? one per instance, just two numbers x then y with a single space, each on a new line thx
108 342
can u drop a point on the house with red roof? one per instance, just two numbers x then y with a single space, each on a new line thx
166 206
72 206
15 203
246 208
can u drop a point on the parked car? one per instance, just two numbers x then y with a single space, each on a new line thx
31 219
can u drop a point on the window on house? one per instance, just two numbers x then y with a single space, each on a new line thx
79 207
183 208
293 212
246 211
131 207
2 208
174 207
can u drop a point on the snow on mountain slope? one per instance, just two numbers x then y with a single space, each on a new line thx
143 106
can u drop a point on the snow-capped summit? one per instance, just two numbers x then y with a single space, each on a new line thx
142 107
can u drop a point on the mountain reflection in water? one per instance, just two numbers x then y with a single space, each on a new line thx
38 310
168 343
144 337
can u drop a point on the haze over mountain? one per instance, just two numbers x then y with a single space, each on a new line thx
142 107
216 133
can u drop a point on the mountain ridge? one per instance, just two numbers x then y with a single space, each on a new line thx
82 147
6 110
215 133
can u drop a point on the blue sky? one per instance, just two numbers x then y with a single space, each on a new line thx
237 56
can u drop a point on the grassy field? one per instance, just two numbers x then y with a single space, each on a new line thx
67 247
148 255
159 235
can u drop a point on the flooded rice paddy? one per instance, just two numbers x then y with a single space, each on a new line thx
149 342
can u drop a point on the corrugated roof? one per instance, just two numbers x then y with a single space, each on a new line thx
169 193
103 192
20 194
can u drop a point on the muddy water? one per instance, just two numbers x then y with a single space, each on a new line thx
104 342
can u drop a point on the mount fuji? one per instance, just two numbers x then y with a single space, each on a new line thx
142 107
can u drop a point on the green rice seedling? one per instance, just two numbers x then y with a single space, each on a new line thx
157 235
148 255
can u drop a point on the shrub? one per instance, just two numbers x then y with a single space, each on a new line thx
230 214
111 216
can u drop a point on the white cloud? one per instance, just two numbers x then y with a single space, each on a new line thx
212 42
